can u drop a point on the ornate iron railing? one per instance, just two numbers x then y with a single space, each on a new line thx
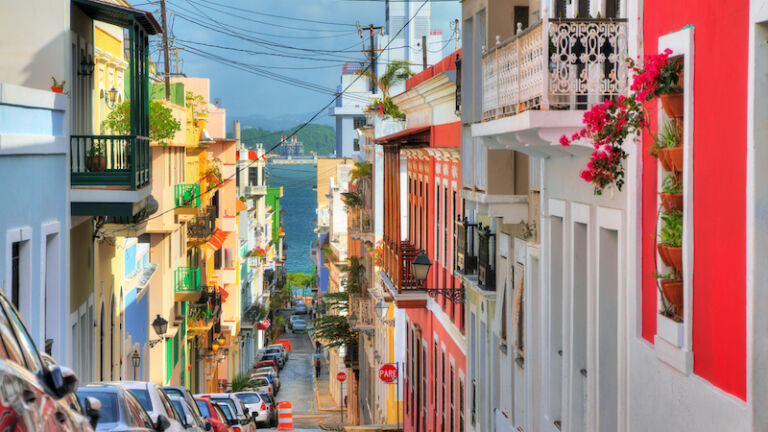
466 261
408 253
556 64
110 160
187 280
201 227
186 195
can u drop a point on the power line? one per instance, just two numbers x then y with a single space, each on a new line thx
281 16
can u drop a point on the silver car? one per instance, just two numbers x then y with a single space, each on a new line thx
155 401
299 326
120 410
270 374
259 409
189 418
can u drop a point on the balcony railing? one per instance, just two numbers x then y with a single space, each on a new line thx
110 160
255 190
360 221
201 228
408 253
466 261
486 267
186 195
556 64
187 284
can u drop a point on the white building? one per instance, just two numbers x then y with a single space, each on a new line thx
350 108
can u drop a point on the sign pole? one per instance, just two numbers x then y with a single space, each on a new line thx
341 401
397 390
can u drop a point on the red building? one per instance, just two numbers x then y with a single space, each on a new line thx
425 157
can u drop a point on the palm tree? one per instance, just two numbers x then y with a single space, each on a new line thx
240 382
396 71
361 170
355 271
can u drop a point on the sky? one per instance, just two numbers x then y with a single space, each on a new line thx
259 35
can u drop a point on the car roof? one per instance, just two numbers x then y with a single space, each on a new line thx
133 384
101 388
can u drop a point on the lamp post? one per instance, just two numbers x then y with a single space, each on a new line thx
352 320
111 97
383 308
420 266
160 325
136 362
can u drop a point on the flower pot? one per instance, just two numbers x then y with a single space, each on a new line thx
671 158
672 104
673 292
664 254
675 255
57 89
96 163
672 201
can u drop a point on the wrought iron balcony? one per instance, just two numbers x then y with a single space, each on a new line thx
361 224
407 254
486 268
110 160
201 228
187 284
466 262
555 64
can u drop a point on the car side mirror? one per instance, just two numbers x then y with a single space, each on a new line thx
63 380
208 426
93 410
162 423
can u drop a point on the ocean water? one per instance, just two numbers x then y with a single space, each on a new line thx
298 204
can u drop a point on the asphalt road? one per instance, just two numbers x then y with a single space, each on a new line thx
297 386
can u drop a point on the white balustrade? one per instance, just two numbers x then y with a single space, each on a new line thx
556 64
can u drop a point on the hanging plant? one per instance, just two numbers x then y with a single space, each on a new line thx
609 124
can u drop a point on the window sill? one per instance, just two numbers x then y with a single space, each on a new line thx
676 357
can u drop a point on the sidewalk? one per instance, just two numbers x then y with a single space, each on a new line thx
325 402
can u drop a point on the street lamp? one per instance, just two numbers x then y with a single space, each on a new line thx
421 265
382 308
214 347
136 362
222 340
160 325
111 97
352 320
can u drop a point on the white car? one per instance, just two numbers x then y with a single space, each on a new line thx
271 375
238 408
282 349
189 419
301 308
299 326
259 410
154 400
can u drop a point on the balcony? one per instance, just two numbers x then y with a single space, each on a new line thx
559 64
186 198
187 284
466 261
109 174
252 191
201 228
486 257
361 224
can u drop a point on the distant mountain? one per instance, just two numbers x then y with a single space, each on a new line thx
279 121
317 138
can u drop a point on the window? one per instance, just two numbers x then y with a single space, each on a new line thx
253 176
356 144
447 218
358 122
473 407
424 373
110 412
453 406
461 405
442 379
435 357
15 273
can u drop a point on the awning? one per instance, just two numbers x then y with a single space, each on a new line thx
240 206
411 136
217 240
122 16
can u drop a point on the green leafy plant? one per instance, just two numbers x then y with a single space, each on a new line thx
385 106
162 125
671 186
198 104
396 72
667 138
352 200
241 382
213 174
671 233
361 171
333 328
197 314
328 252
355 272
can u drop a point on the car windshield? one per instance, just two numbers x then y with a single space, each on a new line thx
229 403
226 410
249 398
203 408
266 397
179 407
110 412
173 392
143 397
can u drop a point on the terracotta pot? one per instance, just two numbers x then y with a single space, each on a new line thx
675 255
673 292
663 155
57 89
664 254
672 201
96 163
671 158
673 104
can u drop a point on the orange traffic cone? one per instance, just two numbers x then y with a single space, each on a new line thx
284 416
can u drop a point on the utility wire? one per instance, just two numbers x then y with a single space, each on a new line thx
295 131
280 16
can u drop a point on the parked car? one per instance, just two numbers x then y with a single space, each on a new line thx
267 363
154 401
299 326
226 412
258 408
184 393
269 374
276 357
293 319
271 406
300 308
275 351
35 393
283 350
240 411
218 422
120 410
87 410
189 418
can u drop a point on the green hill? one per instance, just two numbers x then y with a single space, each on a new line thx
320 139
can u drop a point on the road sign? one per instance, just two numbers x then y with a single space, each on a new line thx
388 373
341 376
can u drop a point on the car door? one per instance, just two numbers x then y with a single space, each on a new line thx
138 411
23 383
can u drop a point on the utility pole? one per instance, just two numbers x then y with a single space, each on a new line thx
424 52
166 60
371 51
456 44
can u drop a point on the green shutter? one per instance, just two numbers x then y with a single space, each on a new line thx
176 349
168 358
183 366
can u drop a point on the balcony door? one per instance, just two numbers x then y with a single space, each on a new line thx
81 90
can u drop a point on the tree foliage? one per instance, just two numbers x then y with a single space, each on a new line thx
355 272
360 171
352 200
241 382
320 139
396 71
162 125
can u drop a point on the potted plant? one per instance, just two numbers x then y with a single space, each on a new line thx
667 148
670 90
672 289
57 87
671 193
95 160
671 239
